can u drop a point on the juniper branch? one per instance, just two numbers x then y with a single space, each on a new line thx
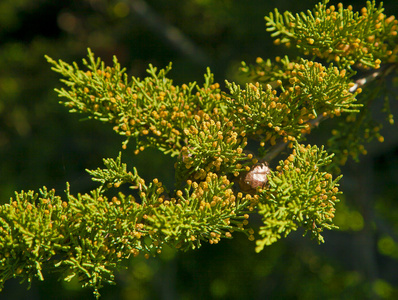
206 130
360 83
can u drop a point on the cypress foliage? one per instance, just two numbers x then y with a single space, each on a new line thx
207 130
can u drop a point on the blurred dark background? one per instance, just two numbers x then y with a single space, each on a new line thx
42 144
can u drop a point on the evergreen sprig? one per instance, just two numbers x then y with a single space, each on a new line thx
300 194
152 111
207 211
115 173
304 91
339 35
89 235
212 146
84 236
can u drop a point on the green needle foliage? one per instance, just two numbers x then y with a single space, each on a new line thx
307 90
299 195
206 130
339 35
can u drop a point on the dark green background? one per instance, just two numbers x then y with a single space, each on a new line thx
42 144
